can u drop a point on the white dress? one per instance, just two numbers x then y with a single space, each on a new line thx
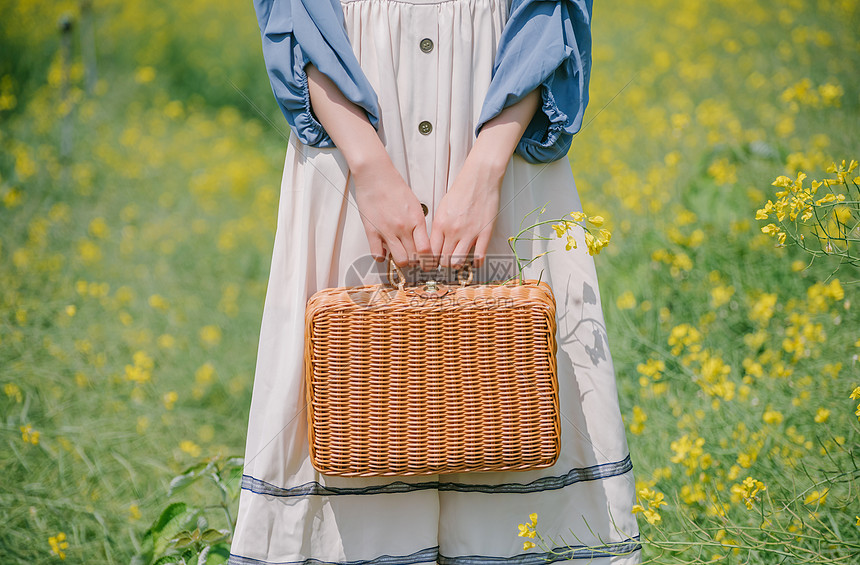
290 513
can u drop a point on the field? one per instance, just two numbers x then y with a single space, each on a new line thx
140 160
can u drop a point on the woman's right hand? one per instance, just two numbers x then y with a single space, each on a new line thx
390 211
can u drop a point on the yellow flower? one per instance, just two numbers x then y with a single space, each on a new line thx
748 490
782 181
825 199
763 213
190 447
29 435
166 341
158 302
144 74
133 512
571 243
170 399
527 530
855 394
210 335
98 228
822 415
654 500
650 514
596 244
626 301
721 295
88 251
141 370
772 416
58 544
816 497
205 373
639 419
578 216
13 391
770 229
590 242
596 220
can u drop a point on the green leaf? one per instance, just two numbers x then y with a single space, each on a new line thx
169 514
211 536
181 541
190 475
179 482
182 521
196 467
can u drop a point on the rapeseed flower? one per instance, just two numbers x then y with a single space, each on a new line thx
652 500
29 435
748 490
58 544
772 416
527 530
816 497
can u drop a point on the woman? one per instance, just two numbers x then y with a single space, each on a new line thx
421 130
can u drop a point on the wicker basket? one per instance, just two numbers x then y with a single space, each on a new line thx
432 379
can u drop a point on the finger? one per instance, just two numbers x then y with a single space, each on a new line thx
481 246
377 250
437 241
422 246
448 247
398 253
460 253
408 243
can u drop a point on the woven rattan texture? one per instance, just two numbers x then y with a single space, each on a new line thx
400 385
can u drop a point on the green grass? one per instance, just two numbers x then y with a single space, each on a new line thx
160 220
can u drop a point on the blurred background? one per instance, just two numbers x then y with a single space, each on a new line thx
141 153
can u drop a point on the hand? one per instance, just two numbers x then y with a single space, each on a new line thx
467 213
390 212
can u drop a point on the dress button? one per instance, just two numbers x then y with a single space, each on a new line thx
425 127
424 208
426 45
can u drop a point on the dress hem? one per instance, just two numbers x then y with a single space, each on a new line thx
576 475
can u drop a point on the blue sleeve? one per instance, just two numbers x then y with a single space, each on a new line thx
298 32
545 43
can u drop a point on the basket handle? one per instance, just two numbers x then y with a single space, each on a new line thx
400 285
402 279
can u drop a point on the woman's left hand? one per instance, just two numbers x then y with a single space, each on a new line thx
467 212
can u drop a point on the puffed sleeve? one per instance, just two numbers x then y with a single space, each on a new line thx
296 32
544 43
